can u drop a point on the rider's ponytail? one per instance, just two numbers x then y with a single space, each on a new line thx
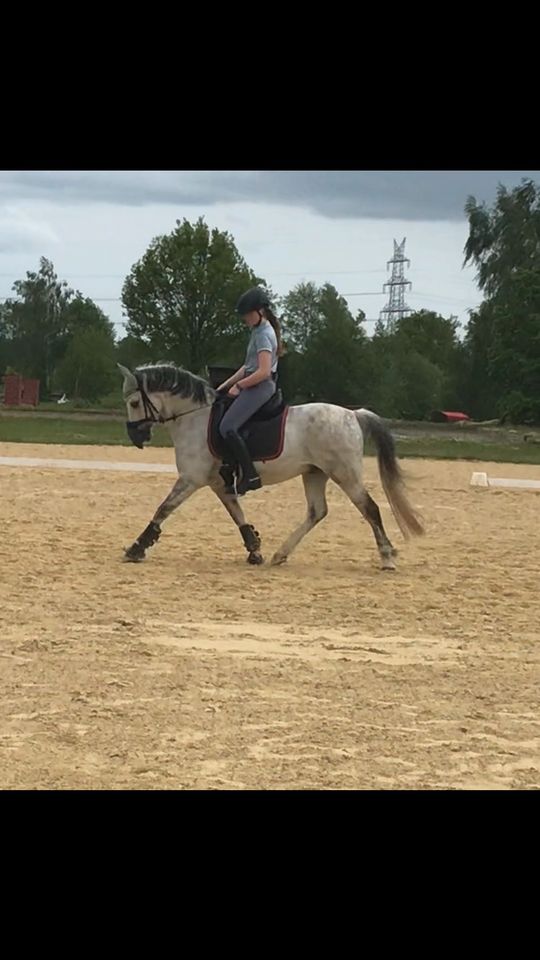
273 320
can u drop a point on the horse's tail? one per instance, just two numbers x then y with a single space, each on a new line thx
391 475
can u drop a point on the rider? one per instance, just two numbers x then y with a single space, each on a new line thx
254 383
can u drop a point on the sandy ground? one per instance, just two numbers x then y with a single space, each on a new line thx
193 670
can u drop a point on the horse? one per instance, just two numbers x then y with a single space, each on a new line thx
319 442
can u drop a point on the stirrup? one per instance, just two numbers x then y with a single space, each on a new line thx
238 447
245 486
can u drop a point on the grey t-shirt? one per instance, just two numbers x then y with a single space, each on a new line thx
262 337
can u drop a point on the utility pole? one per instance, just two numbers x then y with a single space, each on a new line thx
396 306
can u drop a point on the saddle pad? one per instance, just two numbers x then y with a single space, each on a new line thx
263 438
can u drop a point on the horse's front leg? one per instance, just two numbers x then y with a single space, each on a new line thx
179 493
250 536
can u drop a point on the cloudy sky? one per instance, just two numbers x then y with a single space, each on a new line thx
335 226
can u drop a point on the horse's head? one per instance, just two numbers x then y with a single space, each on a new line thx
142 412
158 394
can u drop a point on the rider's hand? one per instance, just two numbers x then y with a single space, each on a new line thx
234 391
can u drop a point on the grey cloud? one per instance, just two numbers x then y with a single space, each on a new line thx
396 195
22 234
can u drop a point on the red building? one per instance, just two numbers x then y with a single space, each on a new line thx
18 391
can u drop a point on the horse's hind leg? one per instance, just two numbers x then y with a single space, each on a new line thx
358 494
315 486
250 536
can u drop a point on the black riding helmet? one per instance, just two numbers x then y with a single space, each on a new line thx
254 299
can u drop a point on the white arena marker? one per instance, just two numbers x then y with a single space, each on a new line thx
522 484
88 465
479 480
482 480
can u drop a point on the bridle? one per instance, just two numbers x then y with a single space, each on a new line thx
152 414
139 430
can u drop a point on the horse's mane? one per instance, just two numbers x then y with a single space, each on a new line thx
166 377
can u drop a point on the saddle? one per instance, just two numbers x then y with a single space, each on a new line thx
263 433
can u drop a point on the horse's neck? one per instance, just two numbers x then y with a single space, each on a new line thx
182 409
187 430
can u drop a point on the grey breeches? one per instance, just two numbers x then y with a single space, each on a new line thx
245 405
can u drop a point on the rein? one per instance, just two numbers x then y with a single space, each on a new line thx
152 414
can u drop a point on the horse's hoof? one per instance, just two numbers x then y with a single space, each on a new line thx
255 559
389 566
278 559
133 555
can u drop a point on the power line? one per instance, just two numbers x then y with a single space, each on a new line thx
322 273
438 296
7 296
297 273
278 273
363 293
83 276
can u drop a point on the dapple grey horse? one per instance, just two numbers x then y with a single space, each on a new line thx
321 442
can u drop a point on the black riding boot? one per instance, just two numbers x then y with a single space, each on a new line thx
250 479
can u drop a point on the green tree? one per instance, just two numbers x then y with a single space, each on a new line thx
503 337
336 365
505 238
82 313
302 315
41 332
180 297
431 335
479 387
411 386
88 370
514 354
408 382
133 352
435 338
4 340
35 322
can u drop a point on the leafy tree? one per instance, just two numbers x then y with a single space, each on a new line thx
82 313
4 340
431 335
336 363
35 322
480 389
302 315
408 380
87 370
414 386
180 297
514 354
503 337
46 330
505 238
132 352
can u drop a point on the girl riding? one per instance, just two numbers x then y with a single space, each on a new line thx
254 383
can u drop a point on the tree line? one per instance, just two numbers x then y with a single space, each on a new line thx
179 301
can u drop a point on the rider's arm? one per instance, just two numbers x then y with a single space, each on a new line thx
264 371
234 379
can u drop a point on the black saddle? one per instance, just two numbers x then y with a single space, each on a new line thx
263 433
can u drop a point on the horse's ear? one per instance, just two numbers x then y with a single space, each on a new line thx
130 380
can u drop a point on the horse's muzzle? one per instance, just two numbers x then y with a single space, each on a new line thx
139 432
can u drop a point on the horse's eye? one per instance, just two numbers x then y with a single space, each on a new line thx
134 404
